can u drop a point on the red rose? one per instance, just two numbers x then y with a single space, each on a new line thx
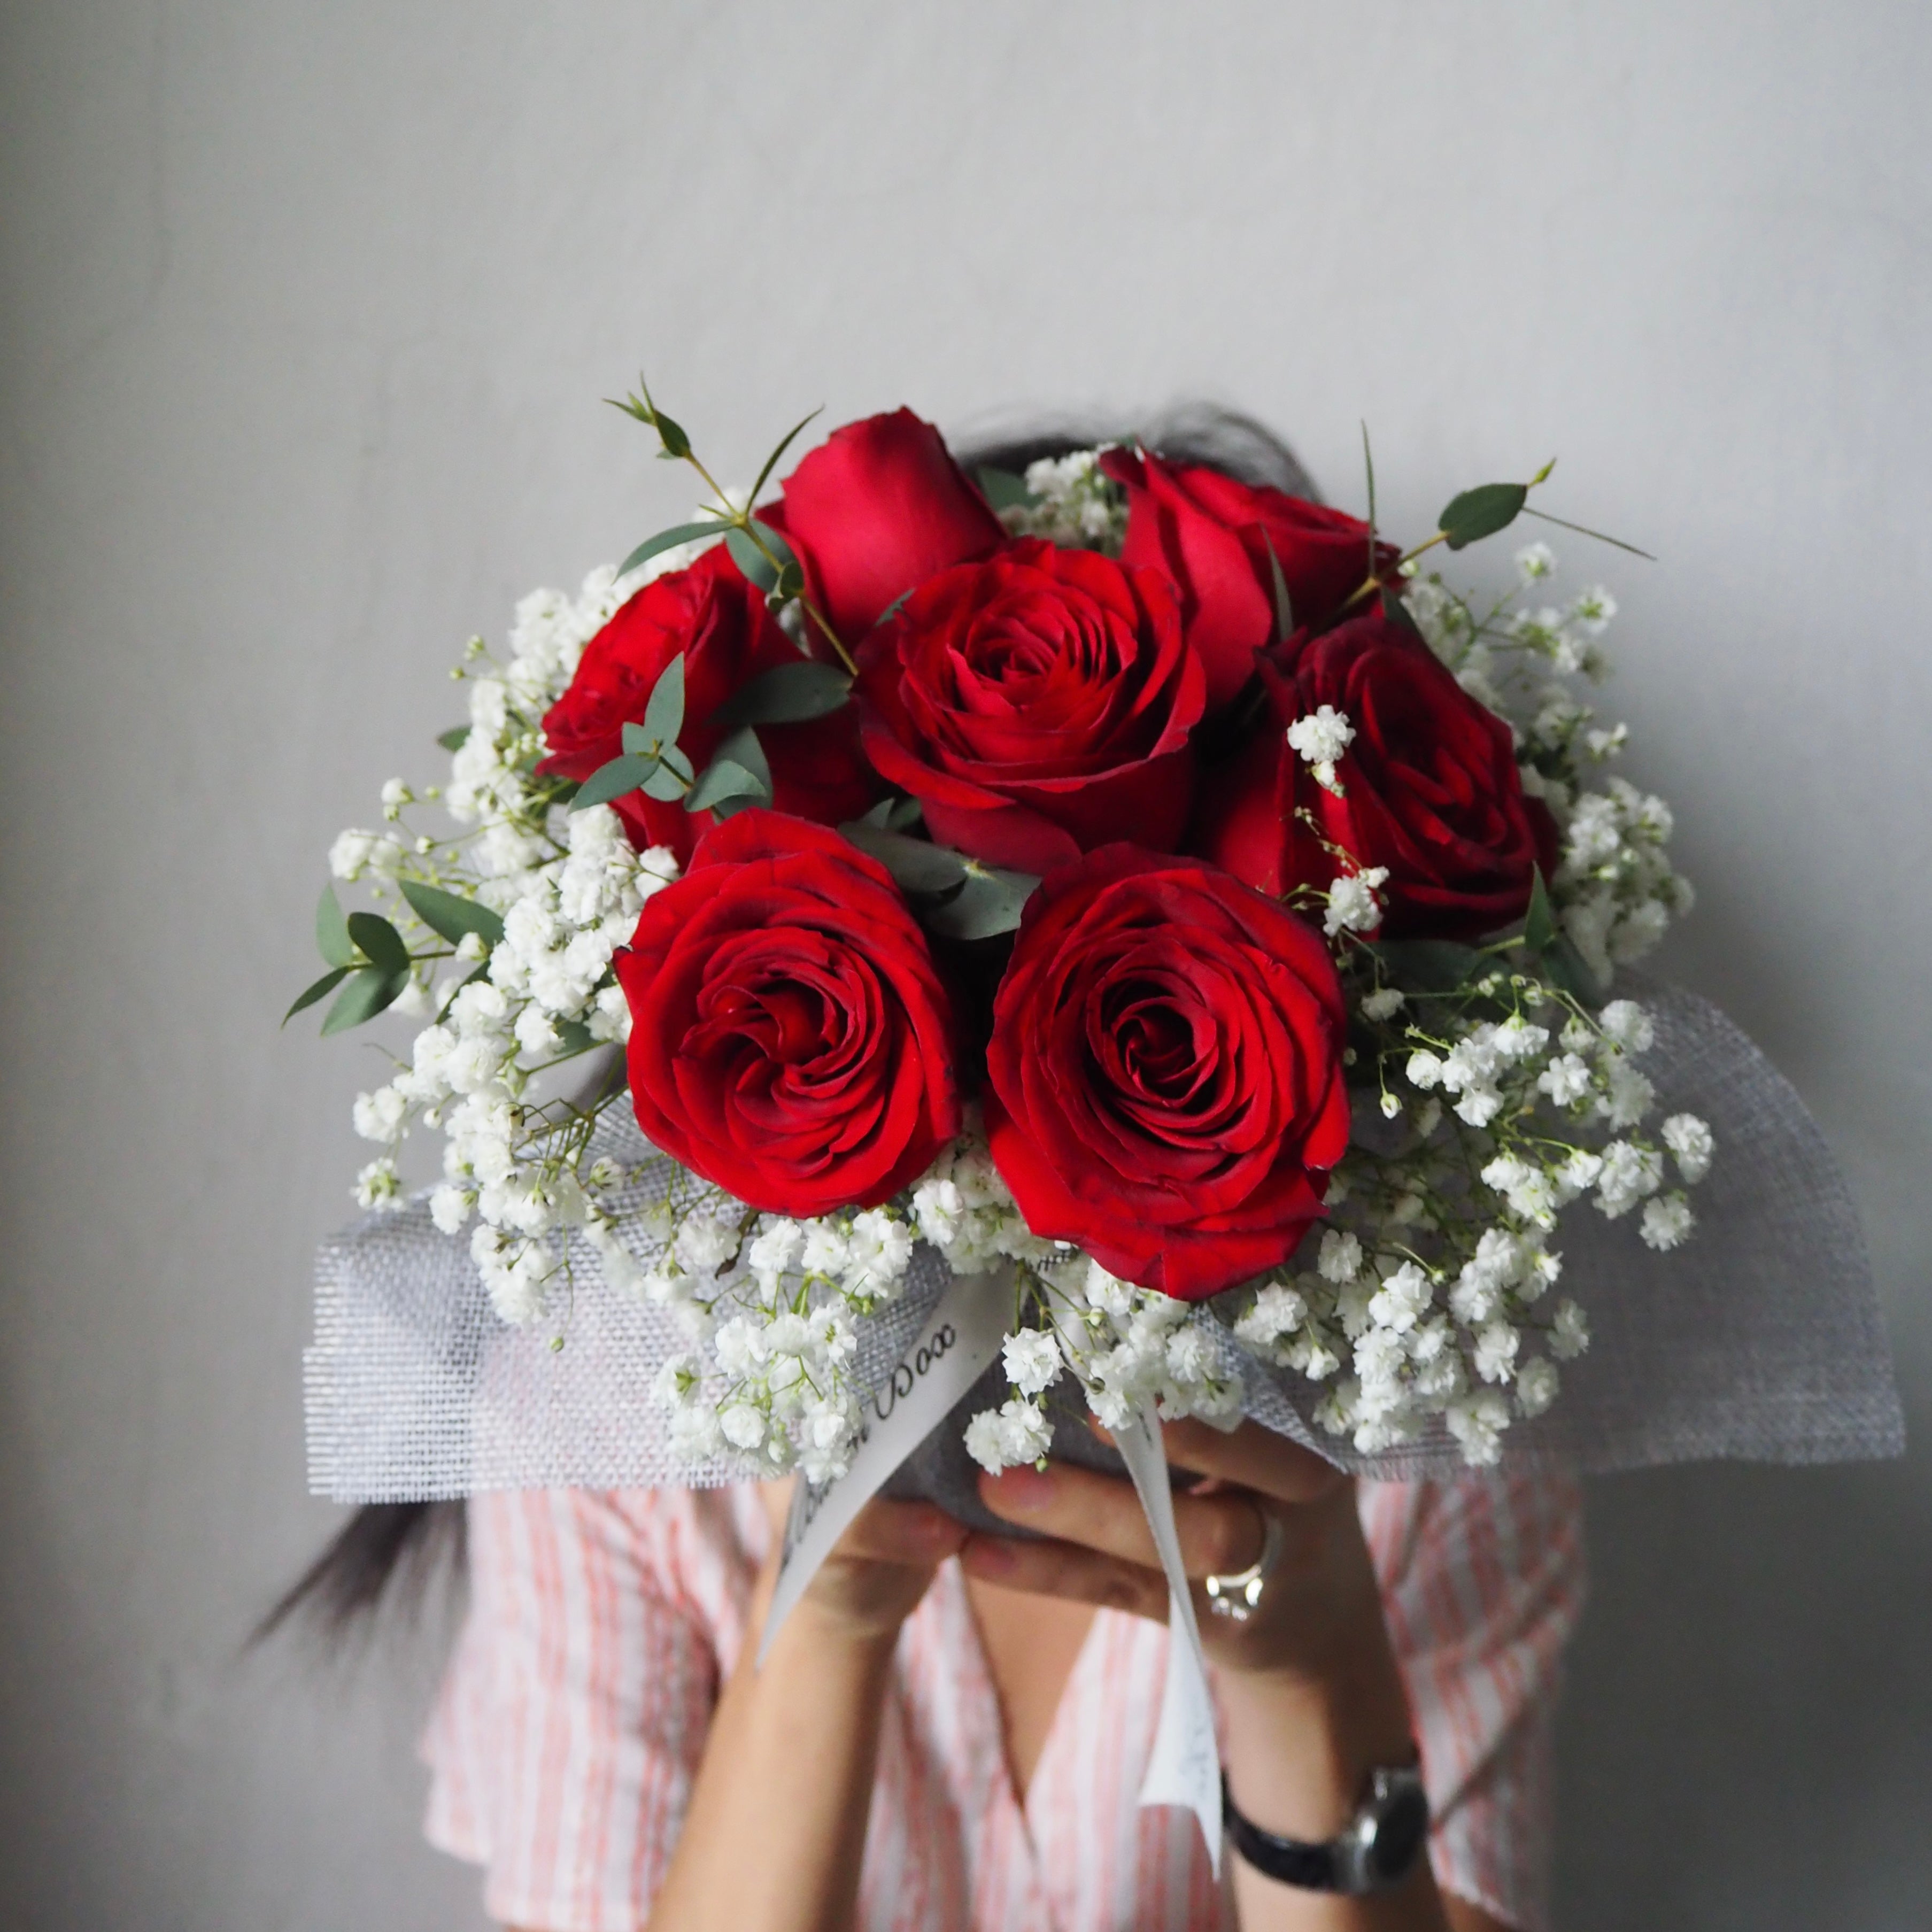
1210 536
876 510
1036 705
1429 788
790 1039
719 622
1164 1079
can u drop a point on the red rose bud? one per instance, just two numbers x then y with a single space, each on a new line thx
1165 1078
721 624
1036 705
790 1039
1428 787
876 510
1210 536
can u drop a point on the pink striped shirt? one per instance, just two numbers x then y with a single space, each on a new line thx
574 1715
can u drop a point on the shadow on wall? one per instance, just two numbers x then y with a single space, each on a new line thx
1747 1740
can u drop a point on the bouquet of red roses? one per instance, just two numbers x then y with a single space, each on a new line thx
1144 888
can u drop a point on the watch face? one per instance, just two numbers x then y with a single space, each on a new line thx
1400 1832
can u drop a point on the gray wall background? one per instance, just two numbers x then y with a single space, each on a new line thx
306 312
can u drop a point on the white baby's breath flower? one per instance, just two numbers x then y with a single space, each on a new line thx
1352 904
1535 561
1690 1140
1320 740
1032 1360
1385 1003
1667 1222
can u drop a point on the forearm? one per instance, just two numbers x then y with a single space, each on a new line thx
775 1834
1300 1750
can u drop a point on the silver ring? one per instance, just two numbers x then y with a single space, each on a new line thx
1237 1596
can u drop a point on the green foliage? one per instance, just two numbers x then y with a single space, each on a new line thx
455 739
1003 490
664 716
381 943
765 560
1539 925
325 985
331 931
989 903
617 779
1284 607
773 460
664 540
788 694
917 865
369 990
738 774
451 918
1432 965
1481 512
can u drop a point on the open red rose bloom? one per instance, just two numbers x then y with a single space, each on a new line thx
1031 806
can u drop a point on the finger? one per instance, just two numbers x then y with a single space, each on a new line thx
1055 1569
910 1533
1256 1458
1218 1533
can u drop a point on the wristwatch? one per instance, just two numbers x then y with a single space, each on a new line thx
1375 1851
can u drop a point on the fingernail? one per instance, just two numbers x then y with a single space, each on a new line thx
1024 1488
992 1556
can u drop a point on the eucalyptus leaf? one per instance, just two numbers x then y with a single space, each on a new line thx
575 1036
455 739
664 540
1284 606
788 693
665 783
382 944
618 779
743 748
326 984
1003 490
892 610
1539 924
452 918
1399 614
1432 965
677 444
903 813
1568 969
761 565
725 779
772 461
370 989
638 742
664 716
989 903
331 931
1481 512
675 760
917 865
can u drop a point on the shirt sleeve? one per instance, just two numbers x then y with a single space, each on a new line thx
1483 1581
574 1715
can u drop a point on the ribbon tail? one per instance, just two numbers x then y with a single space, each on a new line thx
1185 1766
961 1338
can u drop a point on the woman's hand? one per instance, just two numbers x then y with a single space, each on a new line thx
876 1572
1310 1696
1322 1590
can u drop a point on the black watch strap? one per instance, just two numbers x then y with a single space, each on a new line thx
1310 1867
1378 1848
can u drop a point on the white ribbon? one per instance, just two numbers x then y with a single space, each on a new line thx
962 1337
1185 1768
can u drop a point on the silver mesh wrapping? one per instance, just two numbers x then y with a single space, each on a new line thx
1760 1339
